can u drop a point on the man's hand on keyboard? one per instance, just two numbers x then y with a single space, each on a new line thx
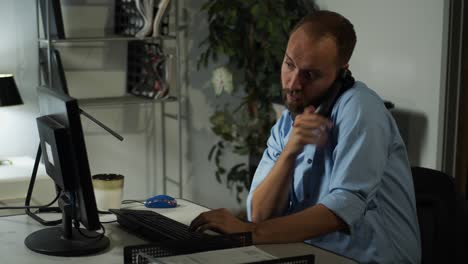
220 220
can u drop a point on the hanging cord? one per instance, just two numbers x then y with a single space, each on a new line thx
133 201
100 236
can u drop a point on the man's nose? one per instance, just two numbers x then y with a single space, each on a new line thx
294 81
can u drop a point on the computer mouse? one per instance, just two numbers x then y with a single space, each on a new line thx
160 201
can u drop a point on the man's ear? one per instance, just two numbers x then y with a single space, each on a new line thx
346 66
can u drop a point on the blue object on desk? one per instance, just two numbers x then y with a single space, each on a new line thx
161 201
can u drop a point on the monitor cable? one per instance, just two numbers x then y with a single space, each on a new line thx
31 206
40 208
76 224
133 201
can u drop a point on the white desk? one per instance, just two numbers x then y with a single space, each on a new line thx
14 229
14 181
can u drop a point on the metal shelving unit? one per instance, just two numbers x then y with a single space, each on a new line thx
49 43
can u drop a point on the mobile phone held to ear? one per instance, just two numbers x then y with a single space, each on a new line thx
333 92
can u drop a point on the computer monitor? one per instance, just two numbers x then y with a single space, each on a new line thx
64 154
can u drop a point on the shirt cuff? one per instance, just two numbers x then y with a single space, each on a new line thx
347 205
249 207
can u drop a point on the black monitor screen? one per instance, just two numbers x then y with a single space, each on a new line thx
64 152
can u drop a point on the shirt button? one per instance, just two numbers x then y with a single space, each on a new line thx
309 161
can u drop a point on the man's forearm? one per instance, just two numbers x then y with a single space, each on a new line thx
271 196
314 221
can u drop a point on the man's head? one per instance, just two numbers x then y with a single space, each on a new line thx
319 46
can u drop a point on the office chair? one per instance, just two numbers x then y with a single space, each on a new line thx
436 208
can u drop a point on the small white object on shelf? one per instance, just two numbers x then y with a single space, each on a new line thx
146 10
163 4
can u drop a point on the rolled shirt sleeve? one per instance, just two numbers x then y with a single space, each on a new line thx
359 156
275 144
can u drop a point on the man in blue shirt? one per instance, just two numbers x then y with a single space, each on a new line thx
340 181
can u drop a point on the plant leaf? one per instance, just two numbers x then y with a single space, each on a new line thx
218 177
210 155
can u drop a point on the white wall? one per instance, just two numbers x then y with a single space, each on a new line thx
18 55
201 104
400 53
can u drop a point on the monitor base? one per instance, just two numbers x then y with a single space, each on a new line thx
50 241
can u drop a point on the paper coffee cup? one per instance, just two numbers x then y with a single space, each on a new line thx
108 189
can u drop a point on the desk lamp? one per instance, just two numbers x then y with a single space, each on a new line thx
9 96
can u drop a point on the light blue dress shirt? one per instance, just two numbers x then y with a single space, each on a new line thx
362 175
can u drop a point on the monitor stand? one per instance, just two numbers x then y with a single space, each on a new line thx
66 240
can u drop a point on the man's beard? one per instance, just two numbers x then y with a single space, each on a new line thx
295 108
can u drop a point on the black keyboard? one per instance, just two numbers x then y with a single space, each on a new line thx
153 226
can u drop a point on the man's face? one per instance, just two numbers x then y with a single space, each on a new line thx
309 69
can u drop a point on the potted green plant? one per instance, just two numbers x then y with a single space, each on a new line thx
252 34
